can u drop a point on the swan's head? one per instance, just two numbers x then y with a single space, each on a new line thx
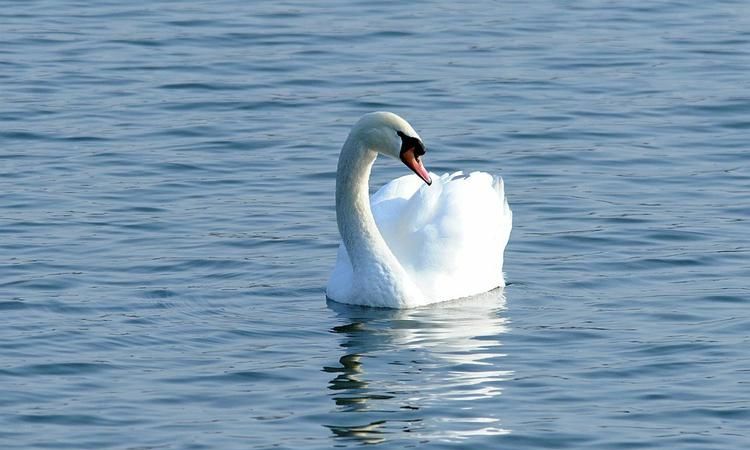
389 134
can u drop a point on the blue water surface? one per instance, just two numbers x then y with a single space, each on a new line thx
167 225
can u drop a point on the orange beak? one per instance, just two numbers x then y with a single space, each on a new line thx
412 161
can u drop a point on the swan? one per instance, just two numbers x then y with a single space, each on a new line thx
421 238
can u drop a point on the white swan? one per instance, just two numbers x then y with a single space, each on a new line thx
414 243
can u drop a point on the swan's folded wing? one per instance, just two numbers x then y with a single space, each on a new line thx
450 236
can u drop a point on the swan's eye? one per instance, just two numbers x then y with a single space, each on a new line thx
408 142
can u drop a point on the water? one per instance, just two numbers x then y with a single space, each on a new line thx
167 225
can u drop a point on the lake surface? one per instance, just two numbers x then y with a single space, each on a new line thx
167 225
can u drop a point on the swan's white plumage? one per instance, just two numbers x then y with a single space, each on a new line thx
432 243
449 237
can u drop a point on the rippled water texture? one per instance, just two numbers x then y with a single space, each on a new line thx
167 225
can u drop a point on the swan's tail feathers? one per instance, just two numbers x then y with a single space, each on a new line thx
499 185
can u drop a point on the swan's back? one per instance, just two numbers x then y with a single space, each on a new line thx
449 237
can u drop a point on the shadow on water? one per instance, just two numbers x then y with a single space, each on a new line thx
425 374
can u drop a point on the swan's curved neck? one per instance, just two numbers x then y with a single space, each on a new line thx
353 214
364 244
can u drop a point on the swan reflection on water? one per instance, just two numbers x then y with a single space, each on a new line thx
400 368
